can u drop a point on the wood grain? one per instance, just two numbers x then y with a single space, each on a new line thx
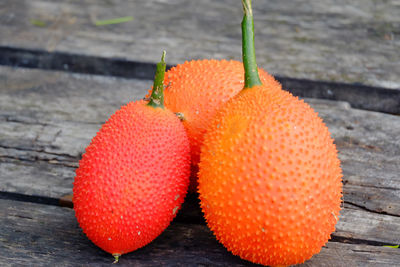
345 255
43 235
346 41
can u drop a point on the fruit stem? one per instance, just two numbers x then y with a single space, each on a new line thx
251 77
180 115
157 94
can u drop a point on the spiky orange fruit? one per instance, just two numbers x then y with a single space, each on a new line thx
270 180
196 89
132 178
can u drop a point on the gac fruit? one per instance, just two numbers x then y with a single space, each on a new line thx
270 179
196 89
133 176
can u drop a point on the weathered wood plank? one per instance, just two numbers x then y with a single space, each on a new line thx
347 41
369 148
42 235
368 227
28 238
340 254
48 118
28 96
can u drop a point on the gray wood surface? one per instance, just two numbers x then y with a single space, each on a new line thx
334 40
351 255
43 235
47 118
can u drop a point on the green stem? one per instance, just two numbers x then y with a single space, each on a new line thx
251 77
157 95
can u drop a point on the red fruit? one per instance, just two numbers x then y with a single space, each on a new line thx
133 177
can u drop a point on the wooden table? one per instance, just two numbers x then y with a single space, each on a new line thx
61 77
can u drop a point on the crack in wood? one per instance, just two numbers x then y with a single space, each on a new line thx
66 164
370 210
20 119
15 120
22 217
348 182
363 251
40 59
73 158
58 133
350 240
29 198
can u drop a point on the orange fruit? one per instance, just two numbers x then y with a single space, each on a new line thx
269 175
196 89
270 180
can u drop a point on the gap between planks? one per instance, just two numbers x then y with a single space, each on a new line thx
358 95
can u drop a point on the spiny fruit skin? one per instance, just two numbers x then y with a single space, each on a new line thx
270 180
132 178
197 89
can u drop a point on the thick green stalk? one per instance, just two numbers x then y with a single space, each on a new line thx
251 77
157 95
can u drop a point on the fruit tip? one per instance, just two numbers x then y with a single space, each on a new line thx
116 258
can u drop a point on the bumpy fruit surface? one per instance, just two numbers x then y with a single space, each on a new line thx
270 179
132 178
196 89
